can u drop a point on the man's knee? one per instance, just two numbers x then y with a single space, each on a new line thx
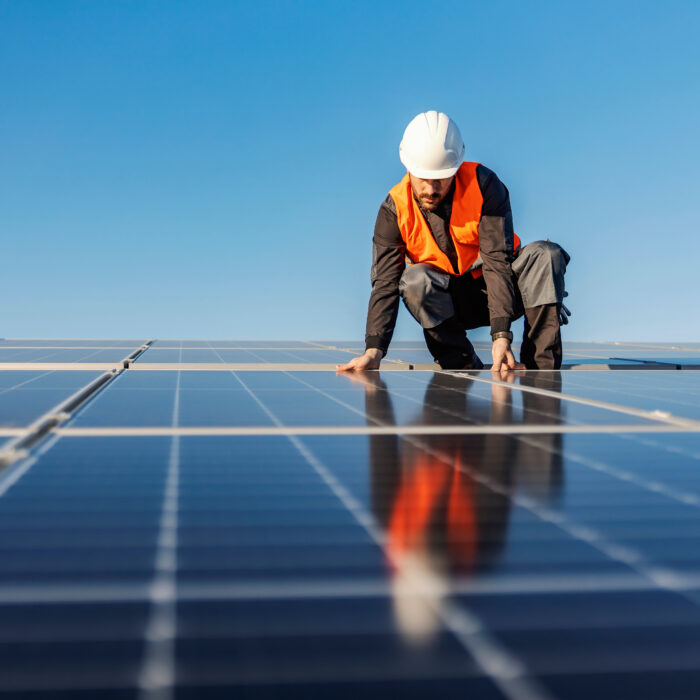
424 291
545 252
540 268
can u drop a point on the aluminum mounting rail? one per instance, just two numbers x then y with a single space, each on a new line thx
17 448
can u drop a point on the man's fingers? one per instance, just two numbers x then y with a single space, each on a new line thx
503 365
357 363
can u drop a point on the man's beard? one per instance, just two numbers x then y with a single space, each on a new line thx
430 204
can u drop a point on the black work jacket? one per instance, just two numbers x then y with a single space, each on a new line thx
495 249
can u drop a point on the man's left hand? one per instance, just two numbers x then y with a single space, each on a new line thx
503 358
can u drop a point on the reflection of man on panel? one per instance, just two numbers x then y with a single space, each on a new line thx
453 222
444 500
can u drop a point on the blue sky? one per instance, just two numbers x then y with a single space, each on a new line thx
214 169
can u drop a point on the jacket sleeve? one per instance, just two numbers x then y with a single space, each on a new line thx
496 248
388 263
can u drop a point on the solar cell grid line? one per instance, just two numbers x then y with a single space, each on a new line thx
507 672
627 556
401 429
157 676
522 584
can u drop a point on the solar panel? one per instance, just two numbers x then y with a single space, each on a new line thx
235 518
69 344
26 395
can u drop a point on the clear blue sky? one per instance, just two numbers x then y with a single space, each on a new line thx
213 169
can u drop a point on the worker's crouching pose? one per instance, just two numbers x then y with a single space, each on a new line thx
452 221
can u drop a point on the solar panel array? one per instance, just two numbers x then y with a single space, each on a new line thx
233 518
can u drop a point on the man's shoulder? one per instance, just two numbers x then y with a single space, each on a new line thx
389 205
484 175
386 230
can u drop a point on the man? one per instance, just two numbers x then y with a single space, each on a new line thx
452 221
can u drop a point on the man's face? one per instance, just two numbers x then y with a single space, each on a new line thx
430 193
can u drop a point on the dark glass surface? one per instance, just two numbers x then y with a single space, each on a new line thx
259 355
320 398
301 355
675 392
357 565
170 355
26 395
147 398
87 511
47 354
61 666
219 344
48 622
70 343
451 508
259 518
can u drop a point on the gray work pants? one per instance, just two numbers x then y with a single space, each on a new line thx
446 305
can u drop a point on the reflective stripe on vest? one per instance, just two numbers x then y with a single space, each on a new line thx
464 222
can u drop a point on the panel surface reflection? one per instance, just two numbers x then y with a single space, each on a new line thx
317 398
367 565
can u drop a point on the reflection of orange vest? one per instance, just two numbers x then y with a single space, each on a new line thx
434 492
464 222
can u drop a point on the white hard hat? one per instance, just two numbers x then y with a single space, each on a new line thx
432 147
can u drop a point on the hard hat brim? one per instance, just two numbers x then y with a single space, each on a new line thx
428 174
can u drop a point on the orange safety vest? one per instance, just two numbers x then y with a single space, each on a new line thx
464 222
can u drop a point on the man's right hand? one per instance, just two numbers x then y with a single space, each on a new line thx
503 359
371 359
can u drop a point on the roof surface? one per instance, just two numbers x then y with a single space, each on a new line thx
203 518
